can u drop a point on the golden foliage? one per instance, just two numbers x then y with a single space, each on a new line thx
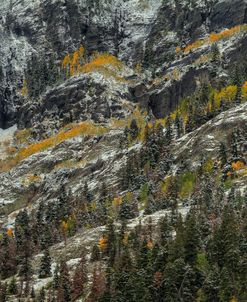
238 165
208 166
227 33
166 184
194 45
66 61
126 239
244 91
101 60
227 94
104 63
71 62
10 232
150 244
71 131
138 68
64 226
215 37
32 178
117 201
103 243
129 196
24 90
178 49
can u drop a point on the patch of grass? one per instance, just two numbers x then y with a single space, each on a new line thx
186 184
12 207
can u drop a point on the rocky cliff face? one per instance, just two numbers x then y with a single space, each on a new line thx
138 32
124 94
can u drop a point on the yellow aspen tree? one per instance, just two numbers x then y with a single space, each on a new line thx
103 243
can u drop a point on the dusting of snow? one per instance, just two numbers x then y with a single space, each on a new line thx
6 136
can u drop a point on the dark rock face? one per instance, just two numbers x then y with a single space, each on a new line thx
79 99
57 27
228 14
189 24
163 101
137 35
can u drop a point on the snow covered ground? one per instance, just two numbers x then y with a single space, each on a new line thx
6 135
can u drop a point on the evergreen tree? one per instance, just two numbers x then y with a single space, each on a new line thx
168 133
126 211
178 126
95 256
45 266
79 279
3 292
12 287
87 195
64 284
222 154
111 242
191 239
165 231
211 285
215 53
134 129
234 145
42 295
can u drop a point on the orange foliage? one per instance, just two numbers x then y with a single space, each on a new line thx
193 46
103 243
105 63
66 61
157 279
64 226
244 91
101 60
10 232
81 51
150 244
239 165
215 37
117 201
73 130
32 178
227 33
72 61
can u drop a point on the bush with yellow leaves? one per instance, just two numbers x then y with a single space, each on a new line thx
103 243
227 94
238 165
244 91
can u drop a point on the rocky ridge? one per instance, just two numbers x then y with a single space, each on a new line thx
157 75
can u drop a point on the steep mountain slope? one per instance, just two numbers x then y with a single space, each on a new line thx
123 150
